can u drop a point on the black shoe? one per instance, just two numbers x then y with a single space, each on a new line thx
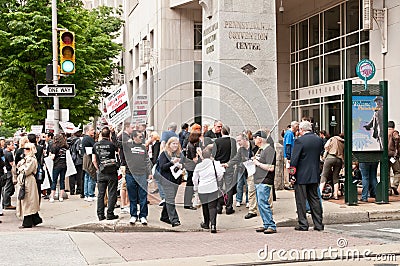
113 217
1 214
289 188
190 208
72 193
250 215
46 197
318 229
204 226
213 229
308 211
82 196
395 191
165 220
101 218
230 212
219 211
298 228
176 224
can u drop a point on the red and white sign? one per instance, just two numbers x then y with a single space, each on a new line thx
140 109
117 106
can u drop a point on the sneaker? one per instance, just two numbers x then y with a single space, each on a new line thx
143 221
124 211
237 204
89 199
161 203
133 220
60 199
51 200
86 198
247 205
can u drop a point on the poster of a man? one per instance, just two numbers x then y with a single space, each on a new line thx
367 123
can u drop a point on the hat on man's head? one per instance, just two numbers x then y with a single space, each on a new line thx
378 98
2 138
260 134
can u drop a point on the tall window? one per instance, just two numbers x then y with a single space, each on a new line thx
327 46
197 92
198 36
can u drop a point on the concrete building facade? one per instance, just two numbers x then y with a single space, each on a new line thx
255 63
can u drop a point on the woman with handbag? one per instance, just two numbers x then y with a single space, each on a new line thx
206 176
58 154
28 198
169 161
191 153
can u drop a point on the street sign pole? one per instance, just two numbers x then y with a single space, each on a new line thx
55 64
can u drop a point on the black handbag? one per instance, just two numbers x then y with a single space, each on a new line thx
21 192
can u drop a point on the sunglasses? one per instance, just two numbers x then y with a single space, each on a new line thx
28 149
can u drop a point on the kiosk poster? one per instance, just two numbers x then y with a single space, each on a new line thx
367 112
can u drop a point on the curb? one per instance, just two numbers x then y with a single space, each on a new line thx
329 219
350 217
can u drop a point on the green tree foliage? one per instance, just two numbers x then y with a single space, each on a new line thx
26 49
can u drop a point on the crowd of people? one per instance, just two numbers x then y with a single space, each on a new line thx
214 165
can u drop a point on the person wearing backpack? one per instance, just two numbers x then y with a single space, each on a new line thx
77 157
106 163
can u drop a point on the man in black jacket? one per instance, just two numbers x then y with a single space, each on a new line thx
105 160
224 149
304 166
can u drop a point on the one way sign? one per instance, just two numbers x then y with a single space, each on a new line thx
51 90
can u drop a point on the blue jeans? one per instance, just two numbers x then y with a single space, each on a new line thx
58 172
89 185
242 181
137 184
369 180
262 193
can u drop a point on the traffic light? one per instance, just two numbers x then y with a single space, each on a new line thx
67 52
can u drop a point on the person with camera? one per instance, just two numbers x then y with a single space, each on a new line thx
138 170
106 163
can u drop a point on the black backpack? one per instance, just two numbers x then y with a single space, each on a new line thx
76 151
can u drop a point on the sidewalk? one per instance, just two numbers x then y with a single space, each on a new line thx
75 214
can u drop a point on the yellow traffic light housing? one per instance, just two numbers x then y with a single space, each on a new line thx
67 52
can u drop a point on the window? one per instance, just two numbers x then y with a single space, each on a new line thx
198 36
327 46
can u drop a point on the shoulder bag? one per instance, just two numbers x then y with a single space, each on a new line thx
221 192
21 192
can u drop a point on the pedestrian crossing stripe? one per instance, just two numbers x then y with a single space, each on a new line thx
390 230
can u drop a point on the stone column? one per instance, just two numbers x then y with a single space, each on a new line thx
240 63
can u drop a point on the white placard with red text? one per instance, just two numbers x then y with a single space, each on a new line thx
117 106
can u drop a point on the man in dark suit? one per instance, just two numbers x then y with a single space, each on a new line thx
223 150
304 167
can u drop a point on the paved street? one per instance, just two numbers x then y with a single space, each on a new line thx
58 240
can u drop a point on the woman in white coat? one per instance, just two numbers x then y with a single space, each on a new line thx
205 178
